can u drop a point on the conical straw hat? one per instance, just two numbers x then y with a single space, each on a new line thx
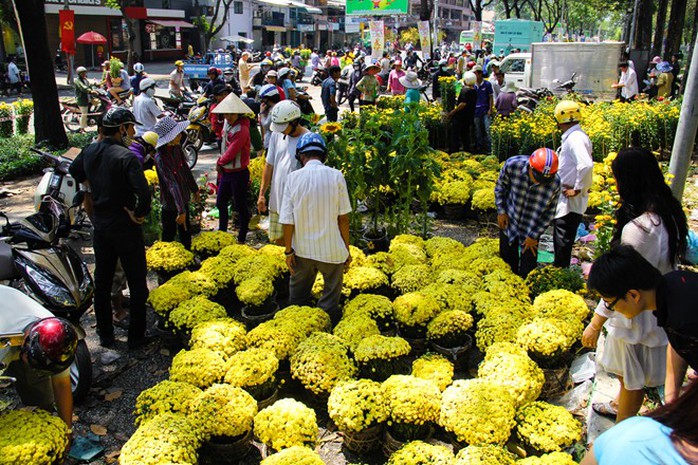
232 104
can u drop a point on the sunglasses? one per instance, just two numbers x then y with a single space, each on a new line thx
611 306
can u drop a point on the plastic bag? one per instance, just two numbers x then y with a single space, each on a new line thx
692 248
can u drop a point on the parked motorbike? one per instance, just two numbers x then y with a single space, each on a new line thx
528 99
57 185
178 108
567 86
319 75
199 130
99 105
34 260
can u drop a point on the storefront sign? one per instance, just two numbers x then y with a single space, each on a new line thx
78 2
306 27
66 21
352 24
377 7
377 29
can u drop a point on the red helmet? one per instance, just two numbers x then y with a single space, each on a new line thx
50 344
544 162
267 54
214 70
470 64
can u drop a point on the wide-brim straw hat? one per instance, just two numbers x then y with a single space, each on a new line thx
232 104
167 129
372 65
410 80
510 87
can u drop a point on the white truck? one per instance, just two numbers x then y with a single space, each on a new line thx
549 63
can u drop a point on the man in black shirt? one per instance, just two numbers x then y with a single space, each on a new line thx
121 199
443 71
463 114
630 285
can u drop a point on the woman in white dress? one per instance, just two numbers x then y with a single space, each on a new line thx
652 221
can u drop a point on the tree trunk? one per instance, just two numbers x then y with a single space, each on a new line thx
48 125
688 58
425 10
659 28
676 20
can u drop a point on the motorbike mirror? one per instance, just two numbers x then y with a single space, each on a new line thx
573 75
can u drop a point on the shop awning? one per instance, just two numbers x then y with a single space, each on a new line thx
237 38
171 23
293 4
275 28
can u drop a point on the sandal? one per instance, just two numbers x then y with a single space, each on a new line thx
605 409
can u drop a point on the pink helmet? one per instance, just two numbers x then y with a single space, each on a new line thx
656 60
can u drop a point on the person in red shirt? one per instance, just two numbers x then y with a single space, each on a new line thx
233 174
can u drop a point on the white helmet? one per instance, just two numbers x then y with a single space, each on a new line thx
268 90
283 113
146 84
138 67
468 77
283 72
81 69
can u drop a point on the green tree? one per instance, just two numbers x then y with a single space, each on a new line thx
209 28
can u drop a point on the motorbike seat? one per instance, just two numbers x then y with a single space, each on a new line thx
69 100
7 265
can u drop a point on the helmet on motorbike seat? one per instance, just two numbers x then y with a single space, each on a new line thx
283 113
151 138
568 111
147 83
268 90
81 69
228 71
544 163
179 63
138 67
469 78
311 144
117 116
213 70
283 72
50 344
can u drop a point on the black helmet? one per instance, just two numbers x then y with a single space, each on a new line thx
219 88
50 344
117 116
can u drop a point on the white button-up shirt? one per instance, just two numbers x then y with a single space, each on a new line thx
315 196
576 170
630 87
146 112
281 154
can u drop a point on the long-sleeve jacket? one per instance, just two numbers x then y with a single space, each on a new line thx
116 180
176 181
237 148
82 92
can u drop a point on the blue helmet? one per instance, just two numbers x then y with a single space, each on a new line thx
311 142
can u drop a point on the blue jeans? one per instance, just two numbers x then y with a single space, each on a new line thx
481 126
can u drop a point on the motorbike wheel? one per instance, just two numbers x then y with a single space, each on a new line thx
71 120
191 154
81 373
194 138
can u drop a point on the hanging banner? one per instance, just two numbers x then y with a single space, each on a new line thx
424 36
377 39
66 22
376 7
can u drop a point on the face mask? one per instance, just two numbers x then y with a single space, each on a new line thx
150 92
126 140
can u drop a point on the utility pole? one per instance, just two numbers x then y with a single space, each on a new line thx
686 132
435 41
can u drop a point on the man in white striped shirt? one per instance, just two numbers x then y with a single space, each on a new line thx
315 218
